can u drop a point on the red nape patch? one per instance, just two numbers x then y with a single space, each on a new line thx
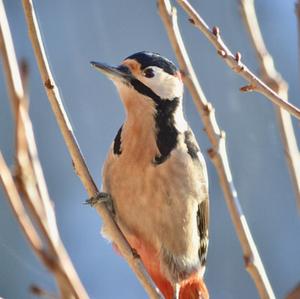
193 288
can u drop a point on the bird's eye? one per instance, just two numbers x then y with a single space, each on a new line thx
149 73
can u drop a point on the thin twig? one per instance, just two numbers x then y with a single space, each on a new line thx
18 207
15 87
217 153
31 179
38 291
274 80
61 266
235 61
77 157
20 212
15 90
13 79
295 293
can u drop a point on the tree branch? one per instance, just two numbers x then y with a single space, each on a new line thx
274 80
28 227
15 87
18 207
295 293
78 160
235 61
217 153
31 182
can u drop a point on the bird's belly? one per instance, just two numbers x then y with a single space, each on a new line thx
156 209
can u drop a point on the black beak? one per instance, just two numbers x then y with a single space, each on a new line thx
121 73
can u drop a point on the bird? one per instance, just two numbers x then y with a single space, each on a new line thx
156 176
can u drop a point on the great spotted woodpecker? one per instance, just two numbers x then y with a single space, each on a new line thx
156 176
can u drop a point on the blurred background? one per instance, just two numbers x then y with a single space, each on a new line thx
76 32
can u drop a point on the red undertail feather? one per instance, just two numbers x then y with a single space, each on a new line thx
193 288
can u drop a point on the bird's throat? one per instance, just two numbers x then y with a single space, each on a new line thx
151 129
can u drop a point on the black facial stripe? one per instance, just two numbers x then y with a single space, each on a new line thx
146 59
166 135
145 90
191 144
117 143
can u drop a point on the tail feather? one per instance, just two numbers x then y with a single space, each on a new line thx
193 288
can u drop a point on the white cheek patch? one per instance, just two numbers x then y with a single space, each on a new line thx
163 84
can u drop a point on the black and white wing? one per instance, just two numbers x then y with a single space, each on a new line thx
203 208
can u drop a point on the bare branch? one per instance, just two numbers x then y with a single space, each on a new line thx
274 80
15 87
16 92
235 63
38 291
18 207
295 293
218 152
61 265
78 160
31 180
28 228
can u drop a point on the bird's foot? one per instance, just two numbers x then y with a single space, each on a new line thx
104 198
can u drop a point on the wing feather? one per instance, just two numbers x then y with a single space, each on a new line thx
203 208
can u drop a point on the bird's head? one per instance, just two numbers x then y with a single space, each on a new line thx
144 76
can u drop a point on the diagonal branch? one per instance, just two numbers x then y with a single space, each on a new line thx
295 293
78 160
18 207
28 228
217 153
14 82
61 265
235 62
31 182
274 80
15 87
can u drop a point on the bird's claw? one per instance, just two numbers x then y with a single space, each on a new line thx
101 197
135 253
104 198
